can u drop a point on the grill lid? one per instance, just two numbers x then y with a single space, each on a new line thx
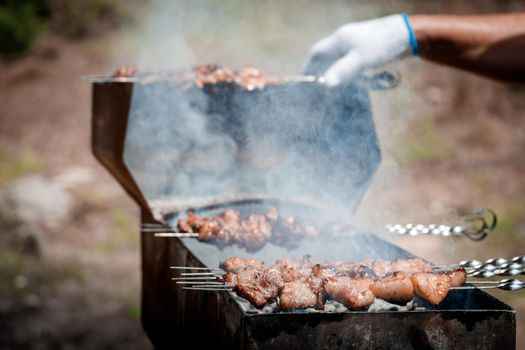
288 140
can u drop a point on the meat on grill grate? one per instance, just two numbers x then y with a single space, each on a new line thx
251 232
299 284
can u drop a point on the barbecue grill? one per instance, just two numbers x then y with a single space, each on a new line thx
137 136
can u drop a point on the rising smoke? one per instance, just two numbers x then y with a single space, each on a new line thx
299 141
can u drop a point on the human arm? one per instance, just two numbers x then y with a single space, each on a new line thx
490 45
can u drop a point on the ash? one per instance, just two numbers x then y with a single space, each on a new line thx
330 307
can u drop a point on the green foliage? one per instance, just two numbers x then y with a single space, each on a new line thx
424 143
26 163
79 18
123 236
20 23
133 312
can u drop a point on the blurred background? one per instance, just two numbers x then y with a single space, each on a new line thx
69 236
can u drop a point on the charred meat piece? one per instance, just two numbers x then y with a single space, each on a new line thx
209 229
352 294
235 263
259 285
293 270
272 214
125 72
230 278
247 78
230 221
297 295
324 271
256 230
316 285
183 226
408 266
433 287
272 281
355 270
249 287
458 277
251 232
395 288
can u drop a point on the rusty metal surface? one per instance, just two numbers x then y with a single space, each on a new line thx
110 110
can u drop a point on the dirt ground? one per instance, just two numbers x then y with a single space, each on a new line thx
452 142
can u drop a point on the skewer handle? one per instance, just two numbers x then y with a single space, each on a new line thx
476 227
491 272
511 285
497 262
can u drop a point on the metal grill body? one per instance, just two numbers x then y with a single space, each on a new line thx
174 318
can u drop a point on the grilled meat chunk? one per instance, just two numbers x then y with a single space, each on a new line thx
293 270
247 78
297 295
125 72
251 232
256 230
301 284
408 266
316 285
458 277
395 288
230 278
352 295
258 285
249 287
183 226
235 264
433 287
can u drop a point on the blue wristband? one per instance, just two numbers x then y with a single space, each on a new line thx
412 36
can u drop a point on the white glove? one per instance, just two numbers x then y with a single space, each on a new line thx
361 45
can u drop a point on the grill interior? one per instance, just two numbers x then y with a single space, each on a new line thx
464 318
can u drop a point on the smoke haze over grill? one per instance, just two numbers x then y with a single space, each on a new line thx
296 141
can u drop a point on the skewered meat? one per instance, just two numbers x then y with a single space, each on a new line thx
235 263
302 284
432 287
249 287
297 295
458 277
246 78
230 278
125 72
251 232
293 270
259 285
316 285
408 266
255 231
353 294
395 288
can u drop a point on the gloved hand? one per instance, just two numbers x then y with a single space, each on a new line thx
361 45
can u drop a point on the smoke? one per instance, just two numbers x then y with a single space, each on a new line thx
297 141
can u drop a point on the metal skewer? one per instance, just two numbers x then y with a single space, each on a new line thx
497 262
176 234
510 285
476 227
195 268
